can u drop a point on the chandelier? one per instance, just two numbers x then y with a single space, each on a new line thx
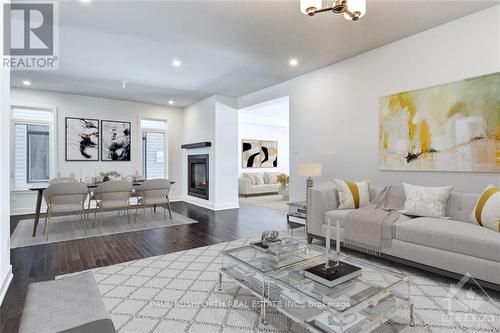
353 10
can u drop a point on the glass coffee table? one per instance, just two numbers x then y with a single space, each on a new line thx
358 305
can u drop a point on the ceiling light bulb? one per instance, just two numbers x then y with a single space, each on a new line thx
170 102
309 6
176 63
357 7
27 83
293 62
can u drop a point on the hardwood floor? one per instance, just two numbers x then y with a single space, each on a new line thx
44 262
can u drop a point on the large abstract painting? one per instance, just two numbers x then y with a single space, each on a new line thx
82 139
452 127
259 154
268 154
115 140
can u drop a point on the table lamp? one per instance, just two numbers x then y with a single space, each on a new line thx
309 170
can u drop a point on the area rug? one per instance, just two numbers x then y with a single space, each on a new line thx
268 201
178 293
65 228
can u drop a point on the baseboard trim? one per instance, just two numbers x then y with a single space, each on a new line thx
6 284
227 206
209 205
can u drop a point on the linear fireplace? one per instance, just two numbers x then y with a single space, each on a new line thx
198 179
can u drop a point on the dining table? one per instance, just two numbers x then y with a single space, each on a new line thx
41 187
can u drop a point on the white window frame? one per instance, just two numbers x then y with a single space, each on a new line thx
52 139
154 130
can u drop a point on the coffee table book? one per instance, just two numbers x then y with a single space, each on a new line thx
333 275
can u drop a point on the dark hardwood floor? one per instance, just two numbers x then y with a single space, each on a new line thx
44 262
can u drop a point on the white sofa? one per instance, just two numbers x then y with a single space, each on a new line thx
453 246
248 186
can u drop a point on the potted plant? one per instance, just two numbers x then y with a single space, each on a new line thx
283 179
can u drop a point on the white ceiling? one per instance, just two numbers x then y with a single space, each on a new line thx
271 113
230 48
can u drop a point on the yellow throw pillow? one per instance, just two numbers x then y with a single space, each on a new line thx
487 210
353 195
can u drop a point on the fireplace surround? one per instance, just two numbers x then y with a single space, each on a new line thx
198 176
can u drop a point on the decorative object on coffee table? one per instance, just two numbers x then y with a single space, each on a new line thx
269 236
332 272
283 179
309 170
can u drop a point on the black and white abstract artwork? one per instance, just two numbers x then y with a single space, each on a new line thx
115 140
259 154
269 154
82 139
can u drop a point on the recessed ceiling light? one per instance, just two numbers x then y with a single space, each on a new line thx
170 102
176 63
27 83
124 84
293 62
85 1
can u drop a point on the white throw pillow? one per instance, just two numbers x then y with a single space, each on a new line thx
249 176
272 178
487 210
426 201
353 195
259 179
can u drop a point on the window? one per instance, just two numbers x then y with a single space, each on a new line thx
154 157
31 145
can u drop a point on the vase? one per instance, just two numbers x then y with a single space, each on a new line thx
283 191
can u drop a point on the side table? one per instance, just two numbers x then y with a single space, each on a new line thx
297 216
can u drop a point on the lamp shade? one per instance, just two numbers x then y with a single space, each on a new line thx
356 6
306 4
310 169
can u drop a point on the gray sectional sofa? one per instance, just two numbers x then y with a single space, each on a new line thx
453 246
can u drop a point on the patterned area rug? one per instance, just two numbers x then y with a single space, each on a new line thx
65 228
178 293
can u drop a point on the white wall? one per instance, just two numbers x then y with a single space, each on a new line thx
69 105
266 121
226 152
5 267
214 119
199 126
334 110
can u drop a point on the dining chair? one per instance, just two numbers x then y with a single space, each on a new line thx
113 195
65 198
154 192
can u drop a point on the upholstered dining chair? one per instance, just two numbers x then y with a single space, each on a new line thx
154 192
113 195
65 198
